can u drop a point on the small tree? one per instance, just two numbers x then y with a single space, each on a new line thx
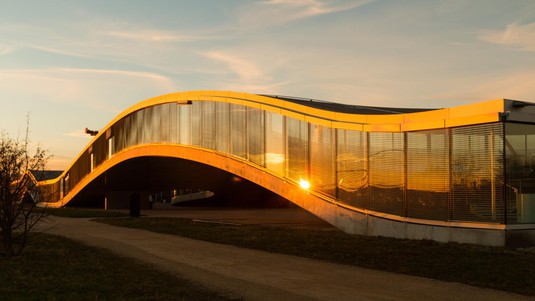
18 216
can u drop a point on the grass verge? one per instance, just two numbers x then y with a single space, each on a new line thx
55 268
499 268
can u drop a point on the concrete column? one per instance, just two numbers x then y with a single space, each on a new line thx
121 199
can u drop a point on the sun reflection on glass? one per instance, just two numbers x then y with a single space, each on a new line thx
304 184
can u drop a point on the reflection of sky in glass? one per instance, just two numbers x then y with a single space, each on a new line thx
272 158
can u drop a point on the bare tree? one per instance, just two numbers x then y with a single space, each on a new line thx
18 214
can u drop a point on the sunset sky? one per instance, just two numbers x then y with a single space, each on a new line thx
74 64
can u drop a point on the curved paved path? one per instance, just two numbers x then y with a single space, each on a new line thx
255 275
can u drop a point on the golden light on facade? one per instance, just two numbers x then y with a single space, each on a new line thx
437 167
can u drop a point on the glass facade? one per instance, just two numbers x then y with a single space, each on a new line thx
238 129
297 150
322 159
520 172
386 172
428 178
352 171
275 143
196 123
475 173
222 128
256 136
208 125
184 128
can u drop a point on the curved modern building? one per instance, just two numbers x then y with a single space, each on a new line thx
463 174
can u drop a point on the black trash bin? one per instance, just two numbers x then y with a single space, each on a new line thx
135 205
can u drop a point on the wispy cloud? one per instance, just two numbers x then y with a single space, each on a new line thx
247 71
150 36
56 73
5 49
109 42
77 134
273 12
513 85
140 74
267 88
510 85
515 36
60 49
104 90
310 8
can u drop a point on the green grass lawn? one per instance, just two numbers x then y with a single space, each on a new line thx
55 268
499 268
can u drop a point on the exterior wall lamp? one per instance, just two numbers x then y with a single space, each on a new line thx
91 132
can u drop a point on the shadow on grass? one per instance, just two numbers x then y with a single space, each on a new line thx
55 268
498 268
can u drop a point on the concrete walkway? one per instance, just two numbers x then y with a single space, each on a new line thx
255 275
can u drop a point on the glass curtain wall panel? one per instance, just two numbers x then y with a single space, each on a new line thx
156 122
82 170
131 130
184 127
127 131
428 174
173 123
62 188
67 179
79 170
140 117
164 126
297 150
146 125
67 184
322 159
140 125
51 193
477 173
55 193
387 172
196 123
520 171
222 117
96 152
238 128
275 143
129 135
352 168
118 133
255 136
99 150
208 125
111 147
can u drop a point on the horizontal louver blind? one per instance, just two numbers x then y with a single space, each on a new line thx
322 161
352 168
477 173
387 172
427 174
